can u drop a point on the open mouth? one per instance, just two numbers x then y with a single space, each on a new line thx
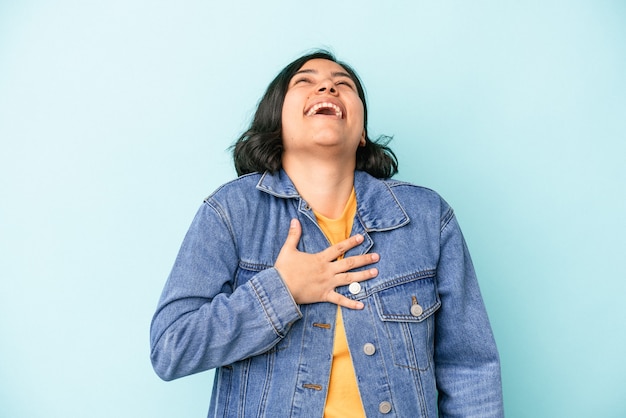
325 108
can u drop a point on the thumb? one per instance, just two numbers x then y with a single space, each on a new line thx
293 236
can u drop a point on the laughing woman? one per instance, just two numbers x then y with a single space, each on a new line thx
317 286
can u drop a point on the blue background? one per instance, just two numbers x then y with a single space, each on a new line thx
115 117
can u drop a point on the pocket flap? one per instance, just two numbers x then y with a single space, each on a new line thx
409 301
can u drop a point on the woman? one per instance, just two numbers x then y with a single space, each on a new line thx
317 286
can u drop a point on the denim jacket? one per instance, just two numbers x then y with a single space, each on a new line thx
421 347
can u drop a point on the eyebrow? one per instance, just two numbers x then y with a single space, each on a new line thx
334 73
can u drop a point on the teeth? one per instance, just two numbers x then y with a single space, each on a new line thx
327 105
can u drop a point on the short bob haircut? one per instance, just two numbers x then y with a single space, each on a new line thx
260 148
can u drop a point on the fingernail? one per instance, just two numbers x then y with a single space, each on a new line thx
293 223
358 237
359 305
375 257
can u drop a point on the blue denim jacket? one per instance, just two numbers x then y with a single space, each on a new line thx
421 347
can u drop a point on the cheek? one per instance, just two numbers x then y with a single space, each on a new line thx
287 119
360 112
291 112
289 107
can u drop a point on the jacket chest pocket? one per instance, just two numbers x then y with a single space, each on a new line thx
406 311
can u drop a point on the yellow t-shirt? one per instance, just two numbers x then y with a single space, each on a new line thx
343 398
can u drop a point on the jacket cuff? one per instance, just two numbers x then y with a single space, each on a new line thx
274 297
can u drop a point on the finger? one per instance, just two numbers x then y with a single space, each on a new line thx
337 299
349 263
337 250
293 235
345 279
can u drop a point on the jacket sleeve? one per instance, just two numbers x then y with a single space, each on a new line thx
467 365
203 320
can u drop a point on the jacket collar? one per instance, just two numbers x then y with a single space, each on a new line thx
377 206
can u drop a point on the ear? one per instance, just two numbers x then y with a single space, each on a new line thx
362 142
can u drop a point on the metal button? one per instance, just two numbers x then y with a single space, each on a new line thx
369 349
384 407
354 288
416 310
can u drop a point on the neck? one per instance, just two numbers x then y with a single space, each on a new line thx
324 185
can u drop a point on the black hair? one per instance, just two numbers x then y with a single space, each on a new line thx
260 148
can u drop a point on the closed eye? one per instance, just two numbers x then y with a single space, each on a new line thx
345 83
302 80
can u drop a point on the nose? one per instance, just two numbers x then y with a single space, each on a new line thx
326 86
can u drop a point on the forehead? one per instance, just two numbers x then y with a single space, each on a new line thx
320 65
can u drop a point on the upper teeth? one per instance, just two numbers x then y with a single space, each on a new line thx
319 106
